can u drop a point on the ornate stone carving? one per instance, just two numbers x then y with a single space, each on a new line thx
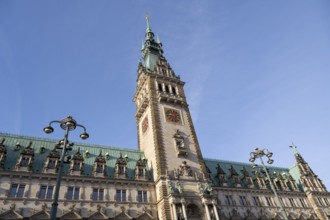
184 170
204 189
180 147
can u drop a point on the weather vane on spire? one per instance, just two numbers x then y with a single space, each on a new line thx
294 147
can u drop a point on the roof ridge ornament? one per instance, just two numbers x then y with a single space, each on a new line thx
294 147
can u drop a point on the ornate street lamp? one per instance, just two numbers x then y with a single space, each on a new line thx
259 154
67 124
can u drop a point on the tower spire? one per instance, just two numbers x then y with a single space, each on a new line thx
151 49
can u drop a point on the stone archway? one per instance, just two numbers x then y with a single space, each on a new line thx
194 212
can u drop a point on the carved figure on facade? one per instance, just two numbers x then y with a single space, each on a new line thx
179 144
204 189
178 186
184 170
169 186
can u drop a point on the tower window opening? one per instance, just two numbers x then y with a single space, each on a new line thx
160 88
164 71
167 89
174 90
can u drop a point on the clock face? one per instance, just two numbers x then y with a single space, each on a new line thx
145 124
172 115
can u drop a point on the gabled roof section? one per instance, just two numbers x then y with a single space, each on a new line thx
97 215
41 215
10 214
44 147
71 215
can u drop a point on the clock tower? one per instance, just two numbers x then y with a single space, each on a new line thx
166 132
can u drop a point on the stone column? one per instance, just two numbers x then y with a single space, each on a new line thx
215 210
175 214
208 217
183 203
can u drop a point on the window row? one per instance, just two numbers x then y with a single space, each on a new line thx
167 89
269 201
46 192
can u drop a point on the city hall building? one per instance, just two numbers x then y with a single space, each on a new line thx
166 178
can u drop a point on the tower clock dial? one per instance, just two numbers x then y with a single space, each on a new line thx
172 115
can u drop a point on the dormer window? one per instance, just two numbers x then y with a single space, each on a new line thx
247 178
260 180
140 170
292 183
99 168
221 176
24 162
77 164
99 165
120 168
52 161
234 177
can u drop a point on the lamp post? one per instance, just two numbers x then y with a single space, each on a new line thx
67 124
259 154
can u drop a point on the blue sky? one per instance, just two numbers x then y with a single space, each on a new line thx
256 72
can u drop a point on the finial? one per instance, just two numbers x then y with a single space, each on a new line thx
148 23
157 39
294 147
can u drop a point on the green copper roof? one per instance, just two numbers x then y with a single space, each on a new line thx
48 145
226 166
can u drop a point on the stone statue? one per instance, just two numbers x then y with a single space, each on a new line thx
169 186
178 186
200 188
